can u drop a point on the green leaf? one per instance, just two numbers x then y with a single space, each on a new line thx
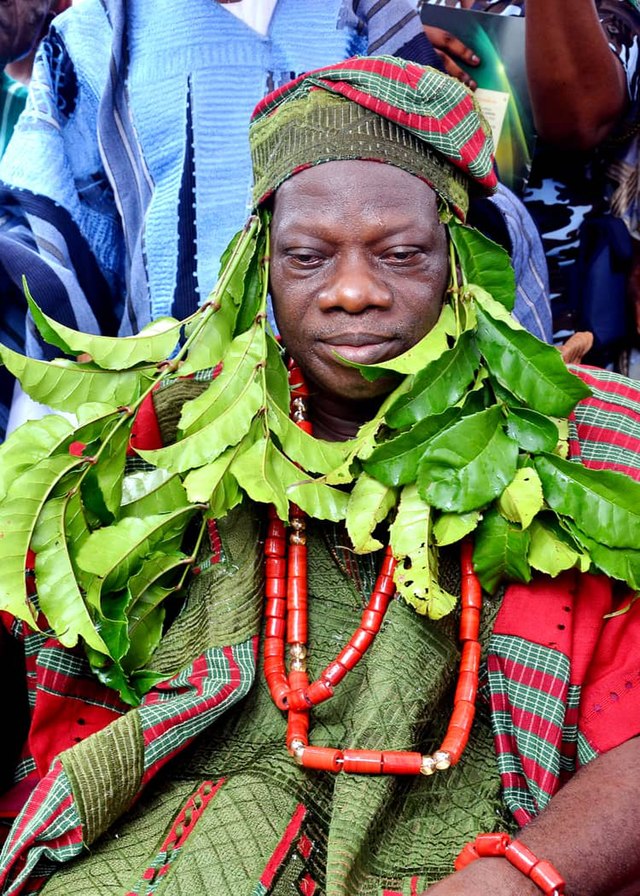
603 504
276 376
269 477
416 575
152 491
19 513
209 442
369 504
59 594
485 263
450 528
152 344
239 369
500 552
395 462
522 499
66 385
315 455
115 553
533 371
102 484
201 485
532 431
29 444
210 334
469 464
439 386
550 553
614 562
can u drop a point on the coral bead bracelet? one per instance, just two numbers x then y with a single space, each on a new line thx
539 871
286 624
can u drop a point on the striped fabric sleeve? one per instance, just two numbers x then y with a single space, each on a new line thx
563 681
93 782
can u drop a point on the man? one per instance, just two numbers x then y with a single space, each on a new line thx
359 269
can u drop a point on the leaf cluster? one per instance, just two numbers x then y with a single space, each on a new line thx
473 440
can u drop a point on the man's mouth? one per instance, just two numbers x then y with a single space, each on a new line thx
362 348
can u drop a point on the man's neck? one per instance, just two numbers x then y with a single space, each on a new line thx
337 420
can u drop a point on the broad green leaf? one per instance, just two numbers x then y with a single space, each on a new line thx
152 344
604 504
59 595
29 444
468 465
209 331
66 385
239 370
227 495
257 474
395 462
201 484
102 484
113 676
315 455
532 370
369 504
450 528
93 410
18 516
276 376
531 430
485 263
155 491
500 552
209 442
115 553
416 575
263 472
145 633
430 347
209 335
438 386
548 552
522 499
614 562
252 289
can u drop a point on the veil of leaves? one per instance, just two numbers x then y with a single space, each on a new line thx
472 442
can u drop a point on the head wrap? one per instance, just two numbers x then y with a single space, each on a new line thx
375 108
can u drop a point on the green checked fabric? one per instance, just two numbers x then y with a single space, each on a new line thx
379 108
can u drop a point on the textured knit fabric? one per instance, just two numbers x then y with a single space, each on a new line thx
391 102
235 814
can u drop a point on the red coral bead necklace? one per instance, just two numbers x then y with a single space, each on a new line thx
286 626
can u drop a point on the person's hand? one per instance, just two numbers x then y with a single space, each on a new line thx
452 51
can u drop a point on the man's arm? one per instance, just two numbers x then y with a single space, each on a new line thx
588 832
577 85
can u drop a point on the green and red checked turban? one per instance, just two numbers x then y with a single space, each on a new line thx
382 109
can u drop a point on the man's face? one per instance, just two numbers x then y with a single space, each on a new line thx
359 267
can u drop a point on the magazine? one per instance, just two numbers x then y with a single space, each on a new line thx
502 83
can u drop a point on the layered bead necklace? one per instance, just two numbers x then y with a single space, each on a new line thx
286 627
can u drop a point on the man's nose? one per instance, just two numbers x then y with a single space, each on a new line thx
355 285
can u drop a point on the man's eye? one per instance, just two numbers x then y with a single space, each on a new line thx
400 256
304 258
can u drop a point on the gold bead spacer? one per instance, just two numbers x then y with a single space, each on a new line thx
442 760
427 766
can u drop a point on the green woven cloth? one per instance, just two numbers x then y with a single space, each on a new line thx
270 825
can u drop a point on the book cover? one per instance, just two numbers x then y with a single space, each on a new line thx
502 82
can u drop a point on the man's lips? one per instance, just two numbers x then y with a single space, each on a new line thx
361 348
